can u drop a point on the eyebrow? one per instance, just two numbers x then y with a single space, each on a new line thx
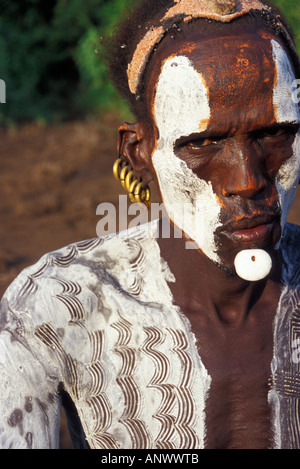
198 135
292 125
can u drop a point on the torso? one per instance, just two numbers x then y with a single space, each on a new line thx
237 351
238 361
100 319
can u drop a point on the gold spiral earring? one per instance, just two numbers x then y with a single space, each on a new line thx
116 168
136 192
142 195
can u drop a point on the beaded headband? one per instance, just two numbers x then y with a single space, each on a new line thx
219 10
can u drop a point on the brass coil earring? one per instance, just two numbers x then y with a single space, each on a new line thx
117 168
136 192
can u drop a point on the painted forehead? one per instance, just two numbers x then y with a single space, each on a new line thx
239 72
235 74
223 11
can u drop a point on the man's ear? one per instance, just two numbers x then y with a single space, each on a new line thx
134 147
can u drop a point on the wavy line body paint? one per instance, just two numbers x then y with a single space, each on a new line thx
182 108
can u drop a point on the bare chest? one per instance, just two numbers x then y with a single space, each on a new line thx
237 411
238 415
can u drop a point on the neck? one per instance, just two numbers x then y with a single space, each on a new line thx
202 287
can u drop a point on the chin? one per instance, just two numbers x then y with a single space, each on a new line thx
229 270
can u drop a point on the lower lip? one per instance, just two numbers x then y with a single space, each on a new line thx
252 235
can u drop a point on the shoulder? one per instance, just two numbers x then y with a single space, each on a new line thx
71 280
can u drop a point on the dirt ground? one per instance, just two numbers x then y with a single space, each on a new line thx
52 179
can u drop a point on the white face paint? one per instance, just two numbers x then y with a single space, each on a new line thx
182 108
286 111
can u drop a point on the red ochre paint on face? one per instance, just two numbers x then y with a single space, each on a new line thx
239 152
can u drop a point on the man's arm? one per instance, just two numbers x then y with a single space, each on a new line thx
29 405
29 384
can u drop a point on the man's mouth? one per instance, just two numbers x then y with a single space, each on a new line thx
253 235
252 230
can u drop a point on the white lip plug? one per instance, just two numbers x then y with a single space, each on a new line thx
253 264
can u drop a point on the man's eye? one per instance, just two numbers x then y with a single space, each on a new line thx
203 142
274 133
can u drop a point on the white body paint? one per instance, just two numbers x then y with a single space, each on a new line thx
182 108
286 110
189 200
99 317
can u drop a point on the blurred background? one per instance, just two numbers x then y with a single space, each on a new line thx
58 127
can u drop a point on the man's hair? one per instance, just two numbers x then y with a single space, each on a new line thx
146 14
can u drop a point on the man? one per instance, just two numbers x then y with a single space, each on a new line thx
157 345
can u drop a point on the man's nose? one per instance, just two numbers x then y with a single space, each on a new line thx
245 176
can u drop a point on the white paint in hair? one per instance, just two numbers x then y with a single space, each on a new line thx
181 109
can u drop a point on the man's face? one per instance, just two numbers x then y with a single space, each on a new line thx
227 157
